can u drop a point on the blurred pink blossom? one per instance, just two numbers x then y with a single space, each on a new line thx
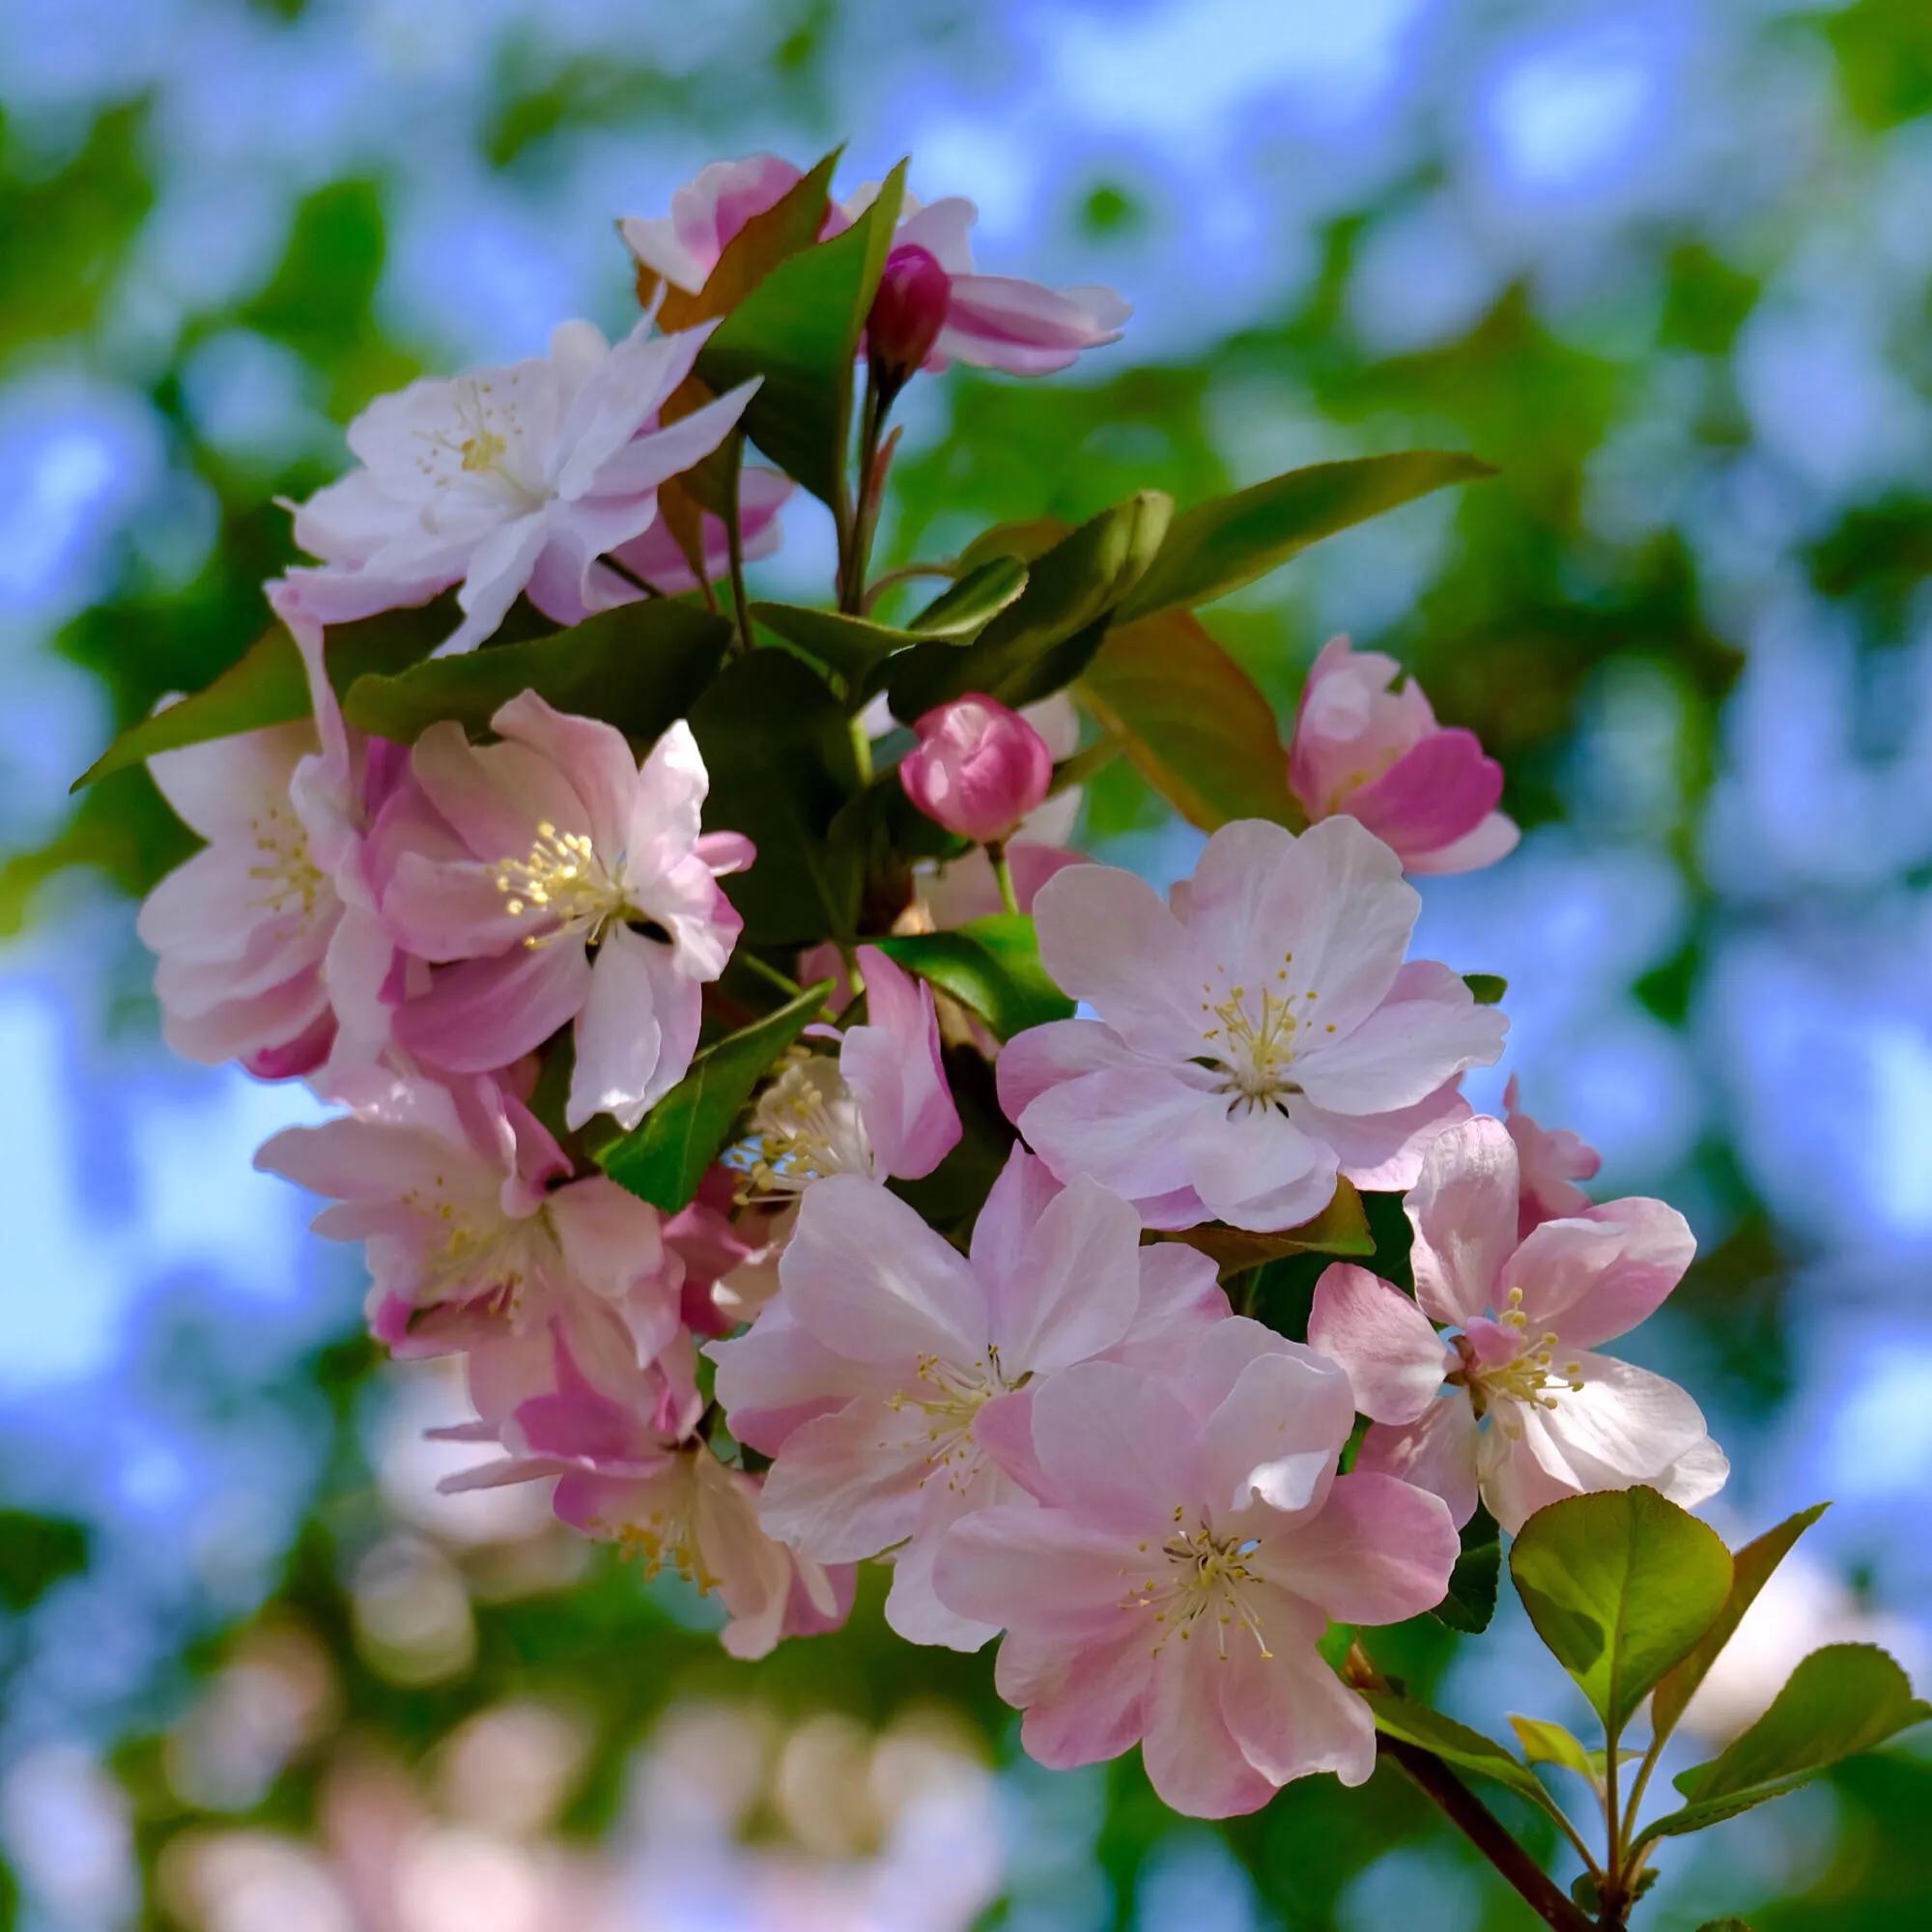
1551 1160
1375 752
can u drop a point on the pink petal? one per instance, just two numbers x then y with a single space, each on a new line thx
1000 321
1081 1706
1115 1444
1106 938
848 1486
620 1067
1032 1569
596 759
778 1376
1437 1452
1291 1715
1438 791
1045 1057
1017 1200
1379 1551
1254 1167
893 1066
1384 1151
1131 1129
1394 1358
1496 838
1194 1762
1600 1273
1427 1032
1276 1434
864 1274
494 796
1462 1210
484 1014
1077 1286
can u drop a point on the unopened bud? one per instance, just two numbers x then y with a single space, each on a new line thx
908 312
977 768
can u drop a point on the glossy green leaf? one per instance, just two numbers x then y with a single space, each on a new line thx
1545 1742
1471 1599
1193 721
639 667
849 646
1454 1744
269 686
776 744
1488 987
1843 1699
973 600
992 965
1218 545
1342 1228
798 331
1751 1570
1044 638
664 1157
1620 1585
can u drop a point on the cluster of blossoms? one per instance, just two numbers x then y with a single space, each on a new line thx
499 952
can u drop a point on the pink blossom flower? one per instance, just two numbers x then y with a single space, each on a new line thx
570 884
1364 748
890 1375
727 1255
1253 1040
881 1110
659 561
907 314
1529 1414
1192 1544
990 322
574 1402
471 1221
979 769
1553 1160
509 480
242 928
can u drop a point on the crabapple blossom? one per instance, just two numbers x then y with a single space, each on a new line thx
977 768
906 316
891 1377
989 321
1190 1545
659 560
1255 1037
561 881
1514 1403
726 1257
881 1109
241 928
471 1222
508 480
1364 748
1551 1161
572 1401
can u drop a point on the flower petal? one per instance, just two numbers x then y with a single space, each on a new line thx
1462 1210
1394 1359
1378 1551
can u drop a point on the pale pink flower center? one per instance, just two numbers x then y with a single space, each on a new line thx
564 880
665 1536
1200 1587
291 880
485 434
1252 1039
806 1124
470 1247
951 1396
1529 1376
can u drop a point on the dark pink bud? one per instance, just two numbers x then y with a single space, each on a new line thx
908 312
977 768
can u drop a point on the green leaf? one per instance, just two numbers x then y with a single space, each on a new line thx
1620 1585
269 686
1044 638
976 597
1723 1925
639 667
776 744
1471 1599
1545 1742
798 329
1454 1744
1488 987
36 1553
1193 721
990 964
1342 1228
1843 1699
1218 545
1751 1570
664 1157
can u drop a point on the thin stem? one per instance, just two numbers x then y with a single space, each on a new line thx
771 975
862 748
1640 1781
1612 1888
1486 1831
633 578
734 543
858 548
996 851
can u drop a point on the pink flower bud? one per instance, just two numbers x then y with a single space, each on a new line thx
908 312
977 768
